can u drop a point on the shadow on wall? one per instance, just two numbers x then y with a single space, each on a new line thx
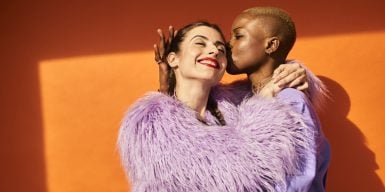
40 30
353 164
21 132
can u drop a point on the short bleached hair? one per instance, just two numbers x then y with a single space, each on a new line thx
286 24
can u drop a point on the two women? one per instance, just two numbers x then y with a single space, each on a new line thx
199 139
261 39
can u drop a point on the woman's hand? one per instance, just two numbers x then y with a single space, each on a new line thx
286 75
291 75
160 52
270 90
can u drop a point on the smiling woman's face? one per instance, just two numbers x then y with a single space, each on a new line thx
202 56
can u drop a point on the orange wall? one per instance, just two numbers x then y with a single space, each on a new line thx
69 70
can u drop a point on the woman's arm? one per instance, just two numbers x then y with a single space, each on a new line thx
294 74
310 177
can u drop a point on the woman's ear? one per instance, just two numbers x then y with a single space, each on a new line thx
172 59
272 45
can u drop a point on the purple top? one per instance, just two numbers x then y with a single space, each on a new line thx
164 147
314 174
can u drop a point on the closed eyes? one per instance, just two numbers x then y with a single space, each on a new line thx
219 46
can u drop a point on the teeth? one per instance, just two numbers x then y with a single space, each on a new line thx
209 62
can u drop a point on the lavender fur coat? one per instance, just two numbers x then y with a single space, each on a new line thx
164 147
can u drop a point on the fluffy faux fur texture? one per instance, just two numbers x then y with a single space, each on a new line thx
317 91
164 147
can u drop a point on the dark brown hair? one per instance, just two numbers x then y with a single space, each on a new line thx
212 105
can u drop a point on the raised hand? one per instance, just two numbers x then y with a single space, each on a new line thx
160 52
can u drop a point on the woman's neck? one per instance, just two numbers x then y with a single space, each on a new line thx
194 94
263 74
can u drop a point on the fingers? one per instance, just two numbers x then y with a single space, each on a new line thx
269 90
161 35
171 34
276 90
303 87
295 78
160 51
162 41
156 53
281 72
297 81
286 69
277 72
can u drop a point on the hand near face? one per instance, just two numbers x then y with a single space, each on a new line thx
160 57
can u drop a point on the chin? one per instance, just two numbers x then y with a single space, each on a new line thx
233 71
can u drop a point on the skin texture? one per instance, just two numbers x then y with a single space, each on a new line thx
254 46
248 43
198 65
258 47
285 75
202 58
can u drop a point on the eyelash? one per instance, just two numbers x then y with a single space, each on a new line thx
238 36
203 44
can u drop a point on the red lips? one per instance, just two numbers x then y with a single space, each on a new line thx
210 62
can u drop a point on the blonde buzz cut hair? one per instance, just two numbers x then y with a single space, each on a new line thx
284 19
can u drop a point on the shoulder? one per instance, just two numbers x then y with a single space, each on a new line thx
318 93
150 108
153 99
294 98
291 95
148 115
299 103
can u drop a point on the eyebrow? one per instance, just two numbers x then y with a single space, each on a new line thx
204 37
235 29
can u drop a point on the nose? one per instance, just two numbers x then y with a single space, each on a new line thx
213 50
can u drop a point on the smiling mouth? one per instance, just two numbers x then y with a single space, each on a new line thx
210 62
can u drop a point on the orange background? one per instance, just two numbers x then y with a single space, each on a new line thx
70 69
